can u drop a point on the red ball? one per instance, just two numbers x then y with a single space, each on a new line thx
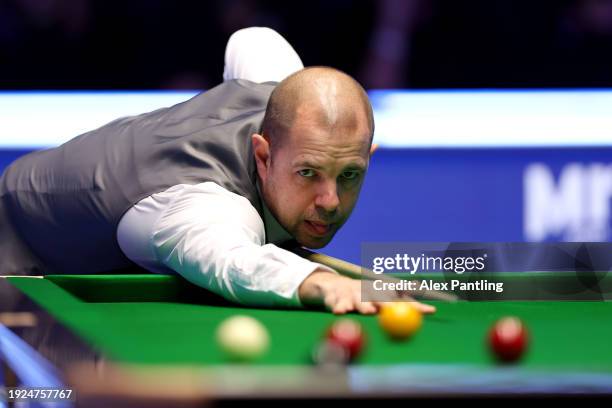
348 334
508 339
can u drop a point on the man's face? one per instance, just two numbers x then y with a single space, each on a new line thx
314 177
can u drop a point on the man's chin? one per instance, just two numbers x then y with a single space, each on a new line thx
312 245
314 242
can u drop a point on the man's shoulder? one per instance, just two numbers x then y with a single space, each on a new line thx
229 96
246 84
239 87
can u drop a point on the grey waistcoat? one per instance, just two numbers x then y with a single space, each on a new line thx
60 207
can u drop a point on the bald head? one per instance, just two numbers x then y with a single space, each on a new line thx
329 97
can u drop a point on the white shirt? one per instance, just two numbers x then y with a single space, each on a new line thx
212 237
217 240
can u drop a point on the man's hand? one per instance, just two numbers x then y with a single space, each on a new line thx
341 294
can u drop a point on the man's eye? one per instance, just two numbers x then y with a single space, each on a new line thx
306 173
350 175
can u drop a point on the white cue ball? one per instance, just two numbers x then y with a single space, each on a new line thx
243 338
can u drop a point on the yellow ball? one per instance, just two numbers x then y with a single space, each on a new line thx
400 320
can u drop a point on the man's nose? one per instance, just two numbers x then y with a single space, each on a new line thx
327 196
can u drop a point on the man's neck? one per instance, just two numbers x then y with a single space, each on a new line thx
275 232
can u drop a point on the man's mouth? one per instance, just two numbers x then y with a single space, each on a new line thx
318 228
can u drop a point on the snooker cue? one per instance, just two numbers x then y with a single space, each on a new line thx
356 272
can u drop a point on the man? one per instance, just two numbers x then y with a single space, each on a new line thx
208 187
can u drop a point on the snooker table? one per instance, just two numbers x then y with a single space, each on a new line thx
132 336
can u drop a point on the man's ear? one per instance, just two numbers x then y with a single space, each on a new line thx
261 151
373 148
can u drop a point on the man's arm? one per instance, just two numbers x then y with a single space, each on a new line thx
216 240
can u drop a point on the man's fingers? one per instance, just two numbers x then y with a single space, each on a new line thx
363 307
330 301
421 307
346 298
367 308
425 309
343 305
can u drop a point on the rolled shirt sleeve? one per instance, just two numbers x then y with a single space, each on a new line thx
216 240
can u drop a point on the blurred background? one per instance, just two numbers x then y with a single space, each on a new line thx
160 44
494 116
